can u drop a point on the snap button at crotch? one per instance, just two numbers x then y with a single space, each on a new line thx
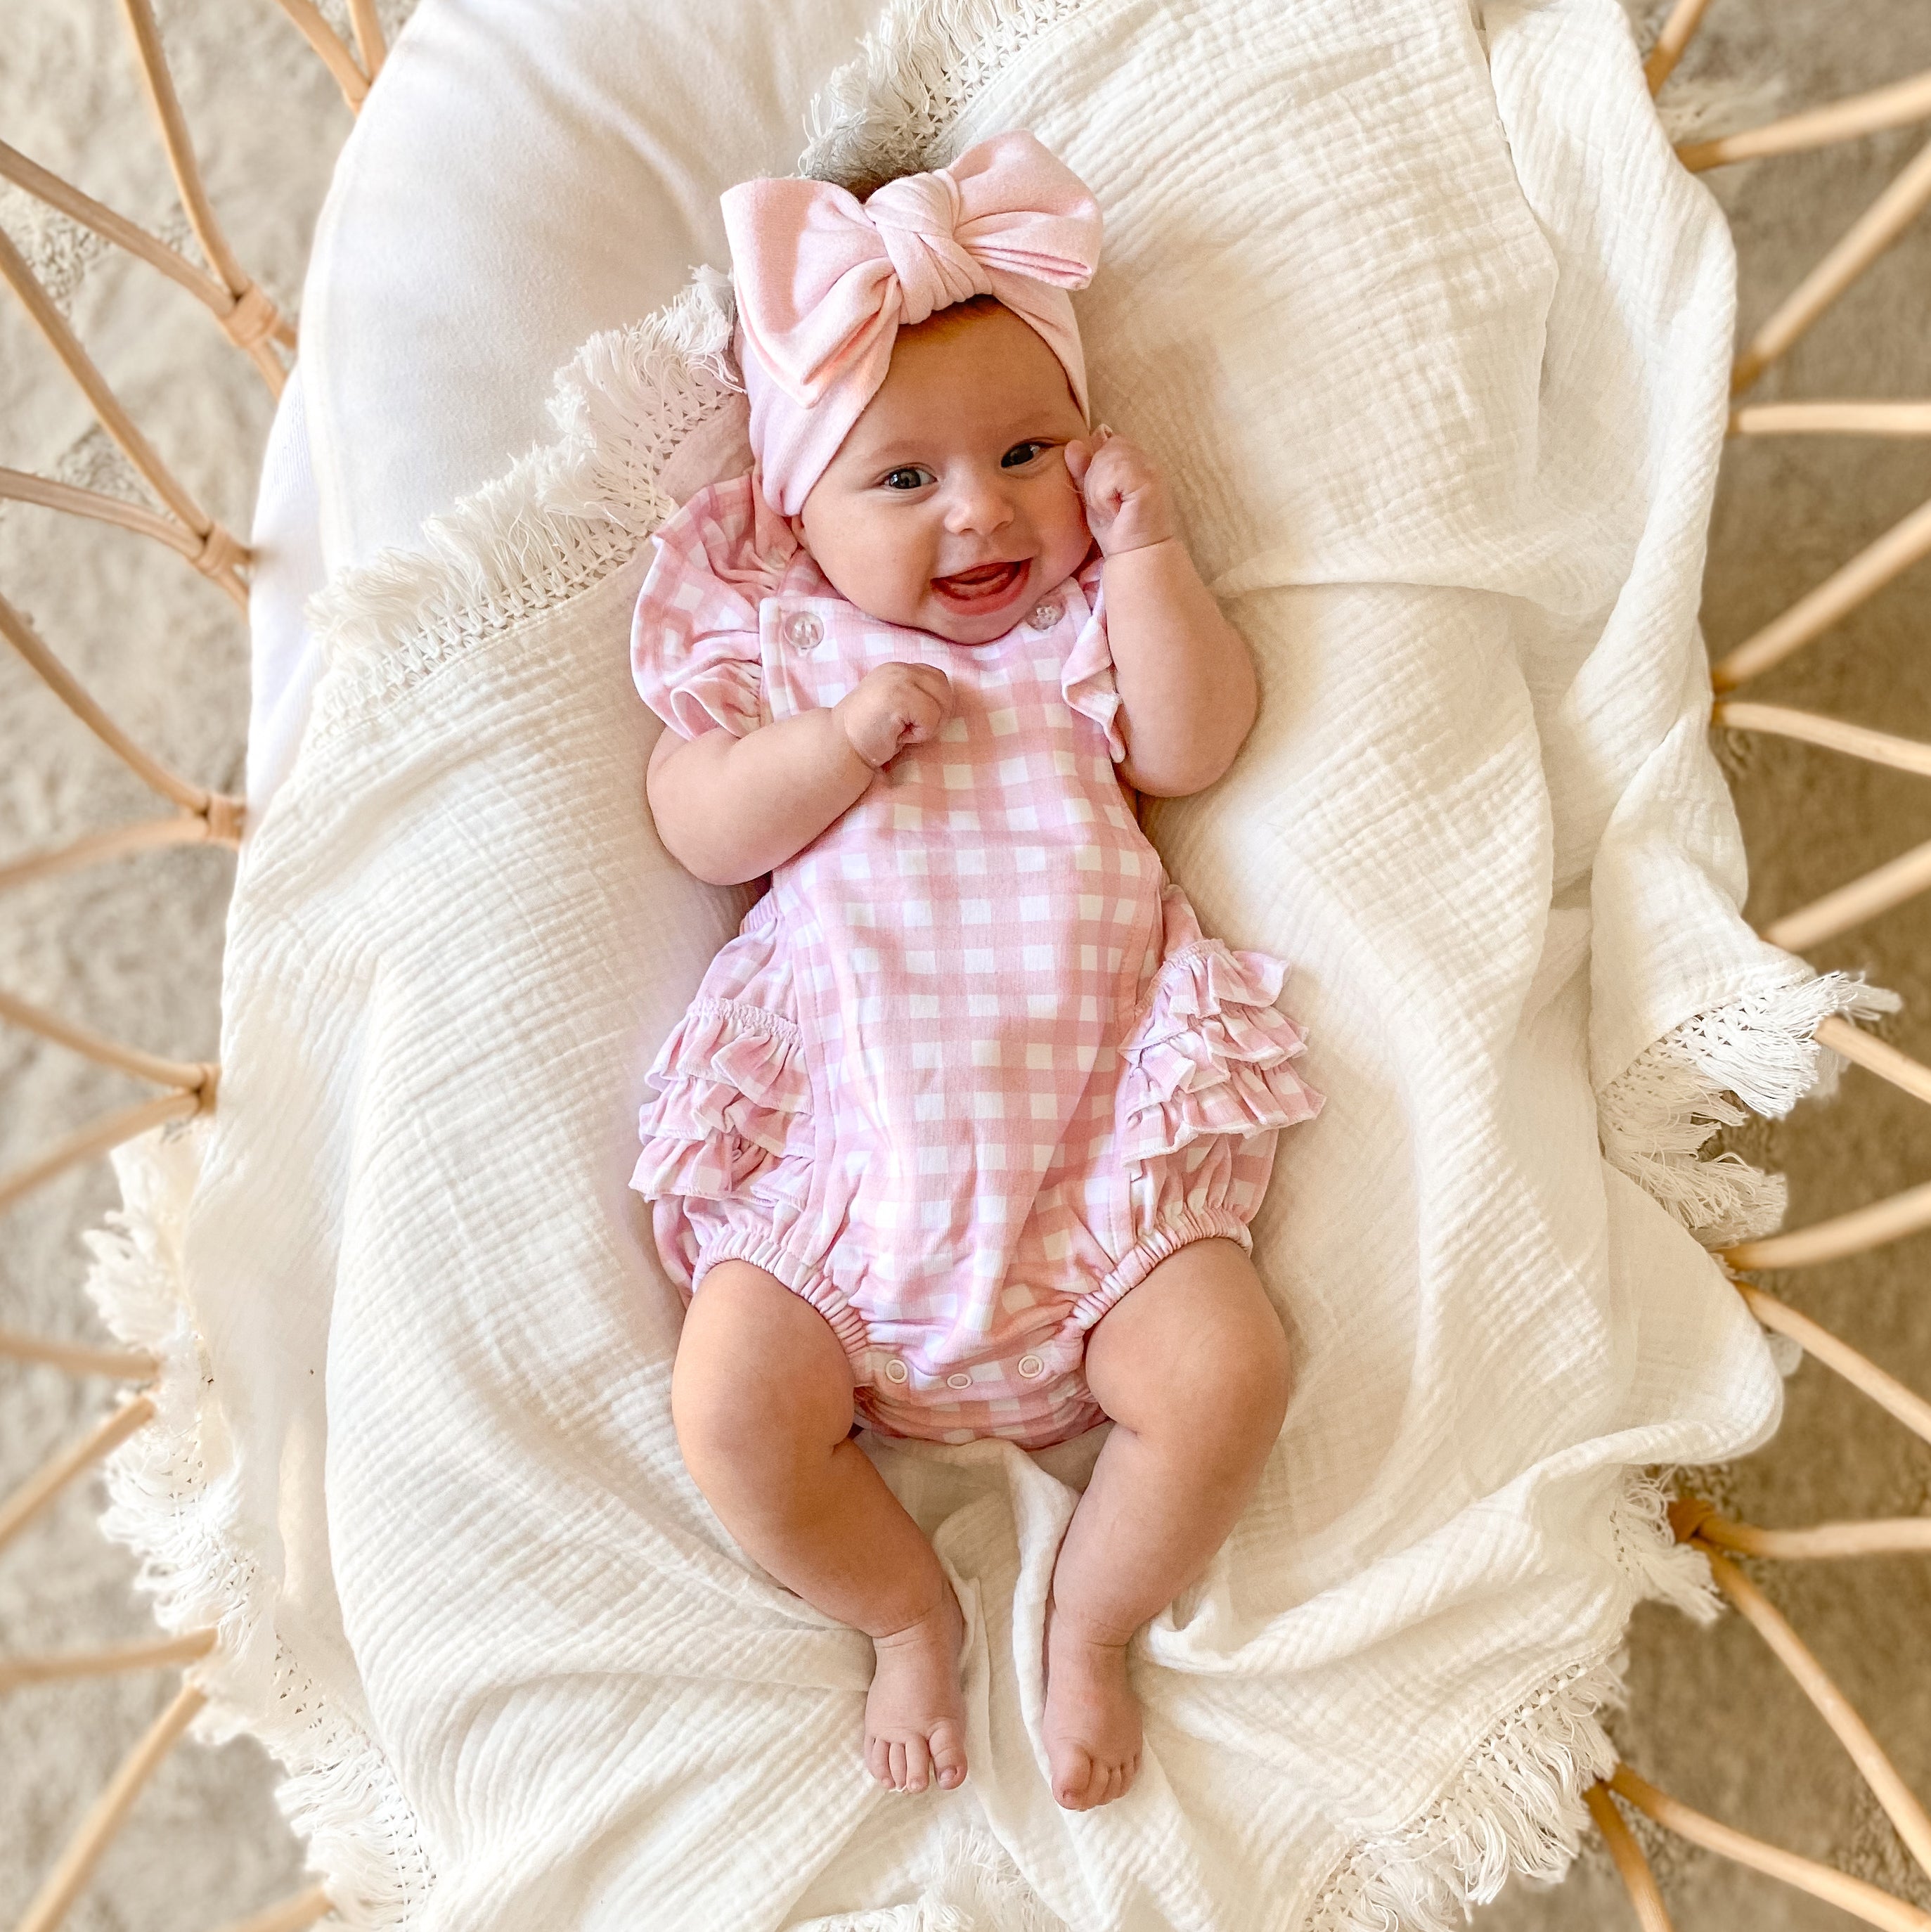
1044 614
959 1381
1031 1366
895 1371
803 631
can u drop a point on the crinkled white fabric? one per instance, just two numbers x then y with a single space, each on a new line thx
1434 347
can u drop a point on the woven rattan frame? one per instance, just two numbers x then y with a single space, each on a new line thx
252 324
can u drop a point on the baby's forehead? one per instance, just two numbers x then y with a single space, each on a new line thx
971 369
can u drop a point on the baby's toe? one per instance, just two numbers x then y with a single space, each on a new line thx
1072 1779
877 1760
949 1757
918 1763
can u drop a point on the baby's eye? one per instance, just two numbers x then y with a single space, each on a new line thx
909 477
1022 453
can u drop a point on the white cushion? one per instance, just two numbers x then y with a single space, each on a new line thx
285 540
527 172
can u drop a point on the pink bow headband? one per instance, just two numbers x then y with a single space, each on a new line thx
825 282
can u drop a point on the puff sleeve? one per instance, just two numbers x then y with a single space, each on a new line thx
694 651
1086 679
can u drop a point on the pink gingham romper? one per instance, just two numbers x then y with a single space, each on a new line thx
970 1068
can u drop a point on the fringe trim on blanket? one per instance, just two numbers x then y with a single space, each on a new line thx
1753 1054
891 112
1516 1804
559 521
171 1496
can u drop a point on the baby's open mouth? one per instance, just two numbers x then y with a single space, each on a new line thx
985 586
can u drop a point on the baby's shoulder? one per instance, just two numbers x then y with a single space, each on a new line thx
727 533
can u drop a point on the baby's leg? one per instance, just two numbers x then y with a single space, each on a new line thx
1192 1367
762 1398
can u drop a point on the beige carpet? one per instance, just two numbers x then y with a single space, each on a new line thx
133 948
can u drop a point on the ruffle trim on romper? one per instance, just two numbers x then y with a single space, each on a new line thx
733 1098
1086 680
1210 1055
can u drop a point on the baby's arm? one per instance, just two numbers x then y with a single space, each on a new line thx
729 809
1186 680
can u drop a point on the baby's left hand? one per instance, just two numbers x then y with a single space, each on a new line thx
1126 505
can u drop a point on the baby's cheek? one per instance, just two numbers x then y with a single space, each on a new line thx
881 565
1065 536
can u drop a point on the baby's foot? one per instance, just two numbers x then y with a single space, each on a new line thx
915 1716
1092 1722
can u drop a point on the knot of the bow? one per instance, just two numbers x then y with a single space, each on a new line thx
917 217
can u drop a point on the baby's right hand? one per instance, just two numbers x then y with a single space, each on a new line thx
895 706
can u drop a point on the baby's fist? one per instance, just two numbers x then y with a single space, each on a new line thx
894 706
1127 505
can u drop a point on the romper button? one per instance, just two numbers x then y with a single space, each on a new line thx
958 1382
1045 615
1029 1366
895 1371
803 631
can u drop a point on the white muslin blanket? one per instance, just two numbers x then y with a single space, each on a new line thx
1431 332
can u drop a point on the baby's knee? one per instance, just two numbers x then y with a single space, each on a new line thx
1239 1376
760 1380
1206 1360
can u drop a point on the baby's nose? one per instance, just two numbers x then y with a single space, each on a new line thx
979 503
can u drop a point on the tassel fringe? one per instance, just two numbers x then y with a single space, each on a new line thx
173 1498
1754 1055
559 522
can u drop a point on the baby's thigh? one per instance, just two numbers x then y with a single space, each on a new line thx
757 1364
1196 1346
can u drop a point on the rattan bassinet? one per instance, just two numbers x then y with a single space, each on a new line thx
252 323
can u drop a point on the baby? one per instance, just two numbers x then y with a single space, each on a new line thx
962 1134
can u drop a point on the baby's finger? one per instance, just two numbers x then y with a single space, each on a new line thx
919 722
1079 454
934 682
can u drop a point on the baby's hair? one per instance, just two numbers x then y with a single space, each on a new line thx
863 183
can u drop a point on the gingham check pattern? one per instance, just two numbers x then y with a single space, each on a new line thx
970 1070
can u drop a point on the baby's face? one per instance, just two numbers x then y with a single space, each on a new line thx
948 507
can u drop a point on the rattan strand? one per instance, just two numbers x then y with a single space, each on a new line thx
97 848
1874 1765
53 1475
1901 546
1652 1915
1894 106
65 1667
63 1884
328 44
1858 741
76 1358
1850 1895
1874 231
287 1915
